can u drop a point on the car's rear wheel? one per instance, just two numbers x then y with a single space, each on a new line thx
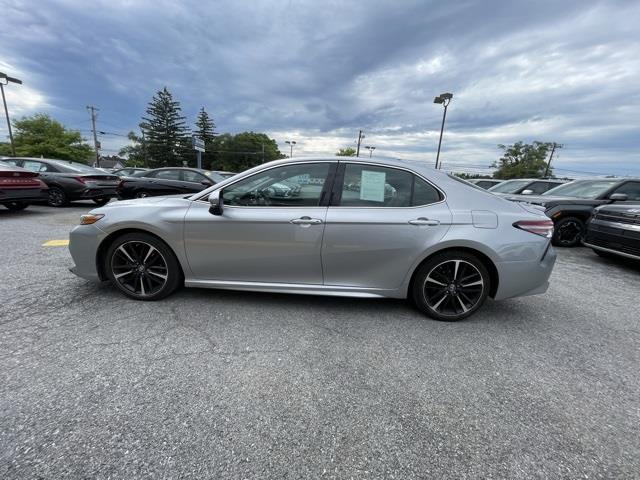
101 201
142 267
57 197
142 194
16 206
451 285
567 232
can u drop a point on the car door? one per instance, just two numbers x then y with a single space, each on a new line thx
267 232
380 220
631 189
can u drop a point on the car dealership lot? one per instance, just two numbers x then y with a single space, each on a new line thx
211 383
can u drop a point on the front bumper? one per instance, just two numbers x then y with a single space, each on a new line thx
84 241
613 237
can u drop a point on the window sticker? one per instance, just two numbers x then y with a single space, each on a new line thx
372 186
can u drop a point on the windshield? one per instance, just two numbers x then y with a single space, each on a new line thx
75 167
510 186
582 188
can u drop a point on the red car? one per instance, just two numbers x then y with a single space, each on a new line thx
20 187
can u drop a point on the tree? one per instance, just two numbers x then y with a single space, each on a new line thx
522 160
40 135
242 151
167 138
205 129
346 152
134 152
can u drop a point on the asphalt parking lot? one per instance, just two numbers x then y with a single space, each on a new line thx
214 384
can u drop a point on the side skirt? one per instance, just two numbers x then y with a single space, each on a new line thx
304 289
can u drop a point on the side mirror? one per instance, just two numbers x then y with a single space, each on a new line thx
618 197
215 202
527 192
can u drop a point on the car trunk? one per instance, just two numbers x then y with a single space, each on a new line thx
14 179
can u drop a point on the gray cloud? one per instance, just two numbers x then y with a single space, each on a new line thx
319 71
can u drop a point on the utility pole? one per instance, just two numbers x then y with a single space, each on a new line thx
4 80
553 149
262 152
443 99
360 138
93 110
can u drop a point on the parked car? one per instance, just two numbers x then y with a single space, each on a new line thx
570 205
69 181
438 240
20 187
614 231
128 171
166 181
485 183
525 186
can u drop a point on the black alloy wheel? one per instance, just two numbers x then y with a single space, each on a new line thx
57 197
101 201
567 232
451 286
142 267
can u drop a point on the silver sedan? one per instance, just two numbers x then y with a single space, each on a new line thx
362 228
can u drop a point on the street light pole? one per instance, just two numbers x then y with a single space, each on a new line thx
371 149
360 138
443 99
4 80
291 144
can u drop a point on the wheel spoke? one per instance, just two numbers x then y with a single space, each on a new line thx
429 279
125 253
435 307
464 308
120 275
142 285
160 275
479 282
455 270
151 250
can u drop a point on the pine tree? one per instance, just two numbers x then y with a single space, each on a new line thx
166 134
205 126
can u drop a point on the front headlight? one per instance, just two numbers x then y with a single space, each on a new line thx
89 218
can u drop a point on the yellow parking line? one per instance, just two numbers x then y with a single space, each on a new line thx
56 243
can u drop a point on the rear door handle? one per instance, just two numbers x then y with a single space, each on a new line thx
305 221
424 221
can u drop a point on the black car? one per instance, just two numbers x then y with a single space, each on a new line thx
69 181
20 187
166 181
128 171
525 186
571 205
614 231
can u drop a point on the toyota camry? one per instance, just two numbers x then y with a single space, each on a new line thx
355 227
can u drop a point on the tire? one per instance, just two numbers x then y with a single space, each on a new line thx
438 289
142 266
57 197
101 201
142 194
567 232
16 206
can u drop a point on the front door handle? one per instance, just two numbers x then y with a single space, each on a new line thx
305 221
424 221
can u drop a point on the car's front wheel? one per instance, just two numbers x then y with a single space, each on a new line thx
16 206
451 285
142 267
567 232
101 201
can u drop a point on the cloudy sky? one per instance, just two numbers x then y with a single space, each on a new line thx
318 71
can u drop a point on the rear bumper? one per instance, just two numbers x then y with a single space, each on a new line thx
27 195
84 241
97 192
519 279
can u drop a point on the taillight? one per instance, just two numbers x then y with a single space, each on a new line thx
544 228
